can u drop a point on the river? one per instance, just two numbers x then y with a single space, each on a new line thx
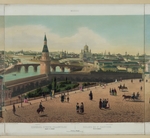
23 74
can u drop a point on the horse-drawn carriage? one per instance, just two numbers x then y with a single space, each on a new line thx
132 97
123 88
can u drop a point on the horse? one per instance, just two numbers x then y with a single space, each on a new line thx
126 96
40 110
122 87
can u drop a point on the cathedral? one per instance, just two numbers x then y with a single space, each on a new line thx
85 53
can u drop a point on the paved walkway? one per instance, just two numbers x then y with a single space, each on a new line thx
56 111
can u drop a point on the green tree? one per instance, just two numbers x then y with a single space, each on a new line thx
49 87
54 84
66 80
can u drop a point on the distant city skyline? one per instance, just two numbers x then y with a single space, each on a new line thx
114 34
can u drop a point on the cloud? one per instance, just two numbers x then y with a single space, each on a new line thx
31 37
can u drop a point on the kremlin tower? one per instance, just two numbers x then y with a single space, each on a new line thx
45 59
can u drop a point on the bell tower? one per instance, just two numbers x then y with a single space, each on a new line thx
45 59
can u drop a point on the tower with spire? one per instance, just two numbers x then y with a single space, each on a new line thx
45 59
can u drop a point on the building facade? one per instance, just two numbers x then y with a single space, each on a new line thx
85 53
5 93
147 67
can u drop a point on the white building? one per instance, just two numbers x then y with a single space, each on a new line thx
147 67
85 53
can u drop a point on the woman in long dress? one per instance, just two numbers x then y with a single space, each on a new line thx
100 104
77 107
82 108
14 109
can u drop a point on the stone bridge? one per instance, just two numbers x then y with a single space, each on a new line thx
20 86
52 67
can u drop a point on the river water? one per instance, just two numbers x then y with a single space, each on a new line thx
23 74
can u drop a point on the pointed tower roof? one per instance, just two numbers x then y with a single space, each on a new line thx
45 48
45 39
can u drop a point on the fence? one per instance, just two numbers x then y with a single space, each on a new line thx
20 100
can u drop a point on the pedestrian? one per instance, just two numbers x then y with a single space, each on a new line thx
107 104
100 104
103 103
133 95
82 108
68 99
110 91
141 88
77 107
124 86
115 92
14 109
91 95
62 97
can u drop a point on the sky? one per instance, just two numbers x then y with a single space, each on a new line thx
147 33
1 32
114 34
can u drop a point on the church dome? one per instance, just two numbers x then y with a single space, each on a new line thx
86 47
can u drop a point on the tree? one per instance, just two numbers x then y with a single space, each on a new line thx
49 87
54 84
39 91
66 80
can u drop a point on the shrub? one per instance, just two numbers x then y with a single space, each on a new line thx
49 86
75 85
68 82
58 90
63 89
84 84
62 82
68 87
61 85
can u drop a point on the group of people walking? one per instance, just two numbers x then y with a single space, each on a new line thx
80 108
64 98
104 104
113 91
